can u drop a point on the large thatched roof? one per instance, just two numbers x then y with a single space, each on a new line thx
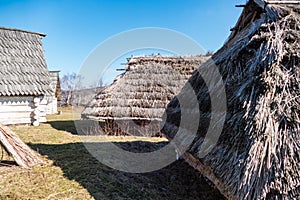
144 90
258 153
23 69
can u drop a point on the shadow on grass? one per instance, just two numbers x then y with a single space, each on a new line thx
8 163
177 181
83 127
67 125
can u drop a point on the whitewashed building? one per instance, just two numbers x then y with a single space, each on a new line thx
25 80
55 93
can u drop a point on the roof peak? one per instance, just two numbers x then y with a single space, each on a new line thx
20 30
168 56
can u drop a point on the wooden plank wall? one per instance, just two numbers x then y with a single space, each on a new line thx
19 110
16 110
52 106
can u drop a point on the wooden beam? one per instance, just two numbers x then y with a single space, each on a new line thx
240 6
255 13
208 173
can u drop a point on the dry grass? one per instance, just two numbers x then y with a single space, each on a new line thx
71 172
45 181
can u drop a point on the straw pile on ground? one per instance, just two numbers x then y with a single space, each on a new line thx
14 146
135 102
258 153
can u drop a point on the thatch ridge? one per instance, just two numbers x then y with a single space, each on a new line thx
258 153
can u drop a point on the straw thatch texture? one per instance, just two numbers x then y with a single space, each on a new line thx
258 153
23 67
144 90
14 146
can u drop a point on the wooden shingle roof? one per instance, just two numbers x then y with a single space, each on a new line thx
23 69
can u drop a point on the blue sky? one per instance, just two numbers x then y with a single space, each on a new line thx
75 28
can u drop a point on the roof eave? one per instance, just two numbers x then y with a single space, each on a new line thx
24 31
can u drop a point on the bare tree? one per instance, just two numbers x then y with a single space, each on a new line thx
70 83
97 84
100 83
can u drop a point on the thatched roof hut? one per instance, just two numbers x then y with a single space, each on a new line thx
142 92
258 153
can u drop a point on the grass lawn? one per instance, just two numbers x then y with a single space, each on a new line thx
70 172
